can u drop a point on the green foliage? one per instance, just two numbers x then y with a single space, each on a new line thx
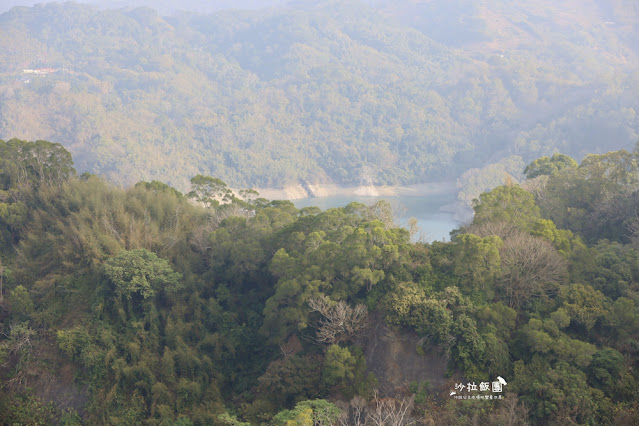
228 419
20 302
26 165
545 337
561 239
293 379
546 166
409 306
469 346
25 409
508 204
141 272
209 191
609 267
18 346
502 317
597 199
288 106
71 418
420 390
157 186
605 370
553 391
345 370
73 342
583 304
338 365
211 320
312 412
477 261
341 253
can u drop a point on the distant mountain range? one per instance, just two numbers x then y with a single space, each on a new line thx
339 92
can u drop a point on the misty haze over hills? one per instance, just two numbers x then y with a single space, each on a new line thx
158 289
163 6
323 92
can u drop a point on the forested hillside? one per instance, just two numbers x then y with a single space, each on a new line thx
145 305
321 92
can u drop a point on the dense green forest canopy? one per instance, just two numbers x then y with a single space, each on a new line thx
145 305
324 92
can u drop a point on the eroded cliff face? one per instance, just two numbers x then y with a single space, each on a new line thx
48 374
392 355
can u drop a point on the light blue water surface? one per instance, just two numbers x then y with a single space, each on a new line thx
435 224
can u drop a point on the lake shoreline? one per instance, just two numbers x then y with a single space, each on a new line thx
299 191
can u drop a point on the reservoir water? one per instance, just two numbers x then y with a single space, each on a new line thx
434 222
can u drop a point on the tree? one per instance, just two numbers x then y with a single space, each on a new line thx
26 167
511 412
141 272
317 412
559 393
604 370
391 411
339 321
339 365
209 191
20 302
615 168
289 380
584 304
477 260
510 204
230 420
158 187
52 163
468 346
500 229
597 199
381 211
251 197
536 186
37 163
19 343
546 166
530 267
408 306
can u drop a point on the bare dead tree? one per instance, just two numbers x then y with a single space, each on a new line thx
502 229
511 412
391 411
612 210
199 239
338 321
107 222
536 186
353 413
170 240
530 267
344 418
358 405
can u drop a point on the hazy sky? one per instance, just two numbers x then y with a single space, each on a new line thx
164 6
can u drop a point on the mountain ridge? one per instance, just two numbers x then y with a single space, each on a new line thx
326 93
